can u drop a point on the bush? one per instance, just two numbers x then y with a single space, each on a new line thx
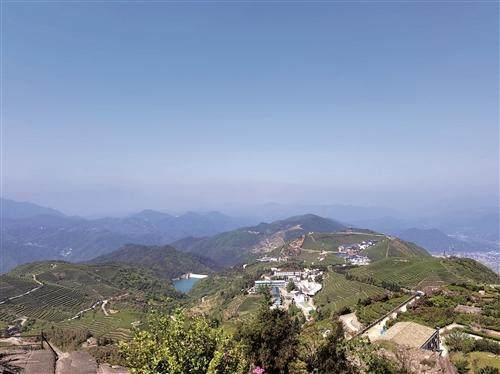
489 370
270 339
486 345
459 342
179 344
345 310
462 366
67 339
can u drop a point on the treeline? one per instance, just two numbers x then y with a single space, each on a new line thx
152 287
458 341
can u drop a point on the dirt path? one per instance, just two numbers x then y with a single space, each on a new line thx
40 285
103 307
351 322
80 313
36 280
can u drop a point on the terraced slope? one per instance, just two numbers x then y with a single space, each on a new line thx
390 247
12 286
338 292
72 295
420 272
384 246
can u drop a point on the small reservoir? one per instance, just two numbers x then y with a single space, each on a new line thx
187 281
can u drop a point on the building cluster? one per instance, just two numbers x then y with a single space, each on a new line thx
272 259
355 248
352 252
306 283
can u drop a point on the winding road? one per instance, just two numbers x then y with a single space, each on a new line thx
40 285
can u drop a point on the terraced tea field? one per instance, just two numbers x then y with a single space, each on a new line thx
425 271
407 272
117 327
12 286
49 303
374 311
338 292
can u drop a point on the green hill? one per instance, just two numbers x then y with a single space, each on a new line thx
61 290
243 244
391 247
331 241
419 272
384 246
164 261
395 264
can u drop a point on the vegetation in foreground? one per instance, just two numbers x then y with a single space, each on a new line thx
273 341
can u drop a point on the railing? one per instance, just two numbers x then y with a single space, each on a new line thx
44 339
359 333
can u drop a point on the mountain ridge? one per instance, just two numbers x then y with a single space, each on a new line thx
165 262
232 247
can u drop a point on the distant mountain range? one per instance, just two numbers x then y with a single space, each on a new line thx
233 247
476 230
31 232
16 210
342 212
437 241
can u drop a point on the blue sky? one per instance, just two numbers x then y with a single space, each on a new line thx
117 106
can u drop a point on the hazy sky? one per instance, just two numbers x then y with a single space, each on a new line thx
116 106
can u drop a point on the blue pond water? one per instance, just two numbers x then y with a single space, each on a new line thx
184 285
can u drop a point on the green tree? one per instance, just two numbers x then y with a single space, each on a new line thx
177 344
270 339
457 341
290 286
229 358
332 355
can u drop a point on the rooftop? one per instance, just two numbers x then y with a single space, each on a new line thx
409 333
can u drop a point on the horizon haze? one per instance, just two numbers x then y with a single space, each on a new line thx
112 108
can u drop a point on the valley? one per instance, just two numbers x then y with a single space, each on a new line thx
357 277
